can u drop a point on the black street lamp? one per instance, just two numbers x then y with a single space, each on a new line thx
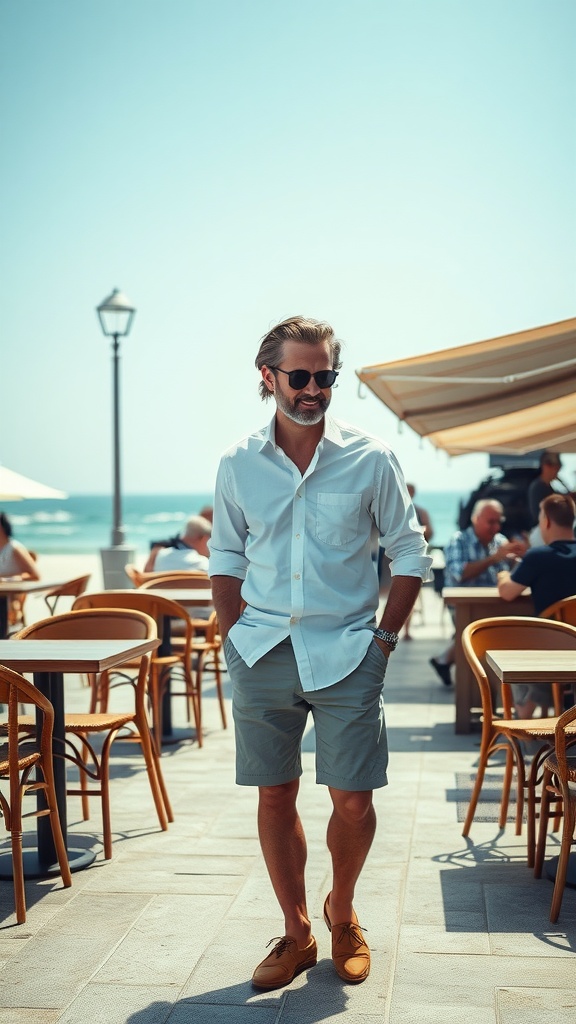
116 314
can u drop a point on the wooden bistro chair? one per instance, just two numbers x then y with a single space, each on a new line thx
139 577
18 757
562 611
206 644
71 589
162 663
107 624
559 784
503 732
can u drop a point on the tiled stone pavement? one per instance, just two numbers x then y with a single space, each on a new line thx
171 929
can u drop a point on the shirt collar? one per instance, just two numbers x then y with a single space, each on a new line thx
332 432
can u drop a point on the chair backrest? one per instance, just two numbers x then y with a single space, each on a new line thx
73 588
177 581
143 601
562 611
510 632
93 624
134 574
16 690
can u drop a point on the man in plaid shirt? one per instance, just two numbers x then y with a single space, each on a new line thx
474 557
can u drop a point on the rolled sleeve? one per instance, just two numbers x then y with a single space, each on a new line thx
229 532
397 521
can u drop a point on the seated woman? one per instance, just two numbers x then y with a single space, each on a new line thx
15 561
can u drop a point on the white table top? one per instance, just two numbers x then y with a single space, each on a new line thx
453 594
528 666
71 655
12 586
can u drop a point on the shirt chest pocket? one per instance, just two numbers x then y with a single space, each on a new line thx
337 517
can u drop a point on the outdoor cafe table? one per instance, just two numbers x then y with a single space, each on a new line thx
528 666
49 660
9 588
470 604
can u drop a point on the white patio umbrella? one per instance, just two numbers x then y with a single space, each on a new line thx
15 487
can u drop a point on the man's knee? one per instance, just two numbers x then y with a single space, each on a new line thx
352 807
274 797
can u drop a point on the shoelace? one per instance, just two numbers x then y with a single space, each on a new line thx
283 944
353 932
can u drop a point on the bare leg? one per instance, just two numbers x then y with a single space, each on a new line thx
283 844
350 833
526 710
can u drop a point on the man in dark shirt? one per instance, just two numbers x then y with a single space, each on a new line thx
550 572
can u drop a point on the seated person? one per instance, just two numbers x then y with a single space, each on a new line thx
473 558
550 572
15 561
188 551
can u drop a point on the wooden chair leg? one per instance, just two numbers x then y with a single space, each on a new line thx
565 847
159 793
56 827
475 794
17 861
545 800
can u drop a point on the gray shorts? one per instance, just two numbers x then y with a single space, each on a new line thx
270 712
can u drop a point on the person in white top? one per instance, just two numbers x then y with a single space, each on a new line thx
188 552
15 561
296 593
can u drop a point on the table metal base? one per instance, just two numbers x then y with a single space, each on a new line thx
35 868
551 867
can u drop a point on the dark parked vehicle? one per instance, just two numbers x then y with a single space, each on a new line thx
510 487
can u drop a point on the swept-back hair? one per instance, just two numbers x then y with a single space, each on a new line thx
296 328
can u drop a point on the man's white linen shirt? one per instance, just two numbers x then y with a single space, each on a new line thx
301 544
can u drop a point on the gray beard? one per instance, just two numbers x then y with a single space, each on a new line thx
295 412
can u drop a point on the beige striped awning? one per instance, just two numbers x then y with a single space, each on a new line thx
512 394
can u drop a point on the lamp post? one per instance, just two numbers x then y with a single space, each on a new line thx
116 314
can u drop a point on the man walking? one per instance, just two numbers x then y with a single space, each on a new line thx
296 595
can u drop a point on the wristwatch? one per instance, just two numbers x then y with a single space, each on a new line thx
387 637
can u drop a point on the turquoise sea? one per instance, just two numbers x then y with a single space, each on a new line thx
81 524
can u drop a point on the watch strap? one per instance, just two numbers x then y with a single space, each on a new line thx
387 637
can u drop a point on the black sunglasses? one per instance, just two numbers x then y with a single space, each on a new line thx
298 379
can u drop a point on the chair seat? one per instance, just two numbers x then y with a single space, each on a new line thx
96 722
531 728
25 761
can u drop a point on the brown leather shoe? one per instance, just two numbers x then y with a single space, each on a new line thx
284 962
350 953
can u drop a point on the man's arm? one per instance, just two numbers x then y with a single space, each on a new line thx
227 602
507 588
511 548
403 593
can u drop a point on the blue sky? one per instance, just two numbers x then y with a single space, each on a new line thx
402 170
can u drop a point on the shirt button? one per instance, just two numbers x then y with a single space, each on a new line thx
297 536
293 621
296 575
